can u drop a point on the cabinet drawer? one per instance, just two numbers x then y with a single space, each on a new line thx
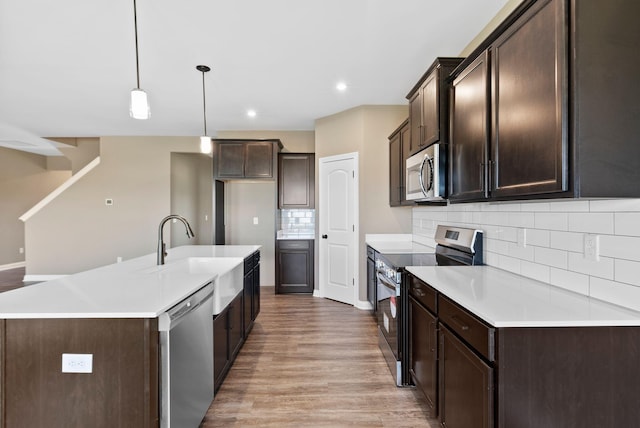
371 253
424 294
294 244
249 263
475 332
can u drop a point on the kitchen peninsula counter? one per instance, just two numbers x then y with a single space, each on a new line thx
136 288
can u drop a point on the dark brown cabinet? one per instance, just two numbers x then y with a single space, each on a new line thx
423 351
555 126
240 159
296 180
294 266
470 132
228 337
428 106
466 385
251 290
399 149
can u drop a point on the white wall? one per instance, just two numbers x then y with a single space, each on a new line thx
555 232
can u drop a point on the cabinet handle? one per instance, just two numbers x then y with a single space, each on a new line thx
460 323
432 346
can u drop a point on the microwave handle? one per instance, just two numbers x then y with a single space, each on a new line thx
421 174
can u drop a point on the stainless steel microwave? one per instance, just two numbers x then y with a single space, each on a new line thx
426 175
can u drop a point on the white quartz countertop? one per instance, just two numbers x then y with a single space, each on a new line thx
504 299
135 288
396 244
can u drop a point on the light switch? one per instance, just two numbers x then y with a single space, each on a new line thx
255 220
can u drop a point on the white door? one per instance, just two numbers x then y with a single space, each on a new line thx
338 187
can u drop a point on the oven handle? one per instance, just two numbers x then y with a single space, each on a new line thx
385 281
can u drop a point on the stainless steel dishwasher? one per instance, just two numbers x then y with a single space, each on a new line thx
186 349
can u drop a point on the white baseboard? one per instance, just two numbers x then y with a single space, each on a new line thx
363 305
316 293
13 266
41 278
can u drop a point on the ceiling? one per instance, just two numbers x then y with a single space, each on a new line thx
67 67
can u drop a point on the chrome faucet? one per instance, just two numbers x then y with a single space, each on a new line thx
161 247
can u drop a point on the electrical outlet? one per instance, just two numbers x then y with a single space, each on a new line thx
592 247
77 363
108 202
522 238
21 250
255 220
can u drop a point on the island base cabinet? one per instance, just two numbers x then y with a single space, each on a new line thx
122 389
422 353
466 385
228 338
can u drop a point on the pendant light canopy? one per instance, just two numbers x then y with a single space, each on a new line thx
205 141
139 107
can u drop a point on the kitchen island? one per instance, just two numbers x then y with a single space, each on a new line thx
111 313
509 351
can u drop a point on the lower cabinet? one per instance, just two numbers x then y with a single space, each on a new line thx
422 352
294 266
228 337
466 385
251 290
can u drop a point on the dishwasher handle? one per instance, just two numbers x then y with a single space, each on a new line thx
173 316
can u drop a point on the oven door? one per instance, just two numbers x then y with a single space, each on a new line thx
389 311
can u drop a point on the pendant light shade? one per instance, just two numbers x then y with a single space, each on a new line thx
205 142
139 107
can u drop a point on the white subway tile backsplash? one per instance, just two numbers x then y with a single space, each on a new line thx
551 257
602 268
627 271
568 280
555 232
620 247
615 292
591 222
627 224
552 221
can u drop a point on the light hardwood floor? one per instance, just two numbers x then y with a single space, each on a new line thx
312 362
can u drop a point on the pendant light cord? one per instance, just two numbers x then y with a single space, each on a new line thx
204 105
135 27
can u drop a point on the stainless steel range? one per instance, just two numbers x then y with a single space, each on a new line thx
455 246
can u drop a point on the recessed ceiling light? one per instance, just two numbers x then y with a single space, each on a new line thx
251 113
341 86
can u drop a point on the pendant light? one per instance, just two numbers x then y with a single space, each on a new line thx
139 107
205 141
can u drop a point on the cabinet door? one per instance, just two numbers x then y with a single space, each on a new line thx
220 348
255 309
371 283
395 170
430 109
236 332
466 391
415 120
296 180
248 302
258 160
470 132
529 144
294 266
423 351
230 160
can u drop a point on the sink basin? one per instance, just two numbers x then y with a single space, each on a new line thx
229 270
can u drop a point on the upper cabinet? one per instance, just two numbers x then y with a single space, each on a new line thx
239 159
544 107
296 180
399 149
428 111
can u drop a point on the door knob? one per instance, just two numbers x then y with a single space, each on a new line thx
324 236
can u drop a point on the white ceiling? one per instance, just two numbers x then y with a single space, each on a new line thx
67 66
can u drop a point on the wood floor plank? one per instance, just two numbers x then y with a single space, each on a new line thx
312 362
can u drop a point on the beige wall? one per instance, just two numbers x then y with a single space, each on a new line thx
500 16
192 197
366 130
24 181
77 231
